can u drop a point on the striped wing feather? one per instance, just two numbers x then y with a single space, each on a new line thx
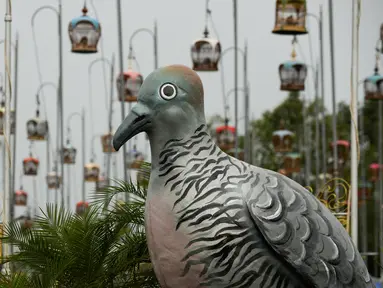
303 231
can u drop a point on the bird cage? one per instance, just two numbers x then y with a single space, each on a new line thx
132 82
107 143
241 153
102 183
364 190
81 207
2 118
225 137
84 33
53 180
343 149
205 53
69 154
282 140
135 158
373 87
292 163
292 75
374 171
21 197
30 166
290 17
37 129
92 172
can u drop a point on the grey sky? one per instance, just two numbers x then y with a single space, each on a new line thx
179 23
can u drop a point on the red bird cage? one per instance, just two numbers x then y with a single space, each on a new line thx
132 82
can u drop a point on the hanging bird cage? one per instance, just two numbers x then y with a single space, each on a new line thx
241 153
292 163
81 207
343 149
84 33
373 87
69 153
92 172
2 118
53 180
132 82
205 53
135 158
364 190
30 166
374 171
21 197
292 74
106 142
225 137
282 140
290 17
102 183
37 129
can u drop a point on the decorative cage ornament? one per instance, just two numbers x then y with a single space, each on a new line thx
53 180
21 197
135 158
292 74
282 140
292 163
205 53
132 82
92 172
2 119
69 153
37 129
102 183
30 166
343 149
81 207
290 17
84 33
107 143
225 137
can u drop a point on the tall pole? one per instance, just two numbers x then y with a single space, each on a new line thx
246 103
108 170
155 40
334 112
317 104
122 91
83 153
15 83
354 124
323 110
381 183
235 12
61 104
305 142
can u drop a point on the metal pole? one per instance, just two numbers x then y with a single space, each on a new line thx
381 183
323 109
354 126
155 40
121 58
110 114
334 110
317 152
235 12
83 153
7 124
15 83
246 108
305 141
68 188
61 104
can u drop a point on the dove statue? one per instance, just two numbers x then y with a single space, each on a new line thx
215 221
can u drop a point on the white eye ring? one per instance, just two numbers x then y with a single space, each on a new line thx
165 96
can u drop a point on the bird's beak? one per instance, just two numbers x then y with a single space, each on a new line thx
136 122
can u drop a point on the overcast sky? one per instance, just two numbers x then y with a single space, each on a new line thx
180 22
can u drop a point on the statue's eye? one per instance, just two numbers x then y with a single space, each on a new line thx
168 91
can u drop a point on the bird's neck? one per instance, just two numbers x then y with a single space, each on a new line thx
160 139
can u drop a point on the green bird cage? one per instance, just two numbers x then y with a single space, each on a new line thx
290 17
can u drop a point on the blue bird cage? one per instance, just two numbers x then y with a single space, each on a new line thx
84 33
373 87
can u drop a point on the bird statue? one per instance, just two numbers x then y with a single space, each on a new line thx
214 221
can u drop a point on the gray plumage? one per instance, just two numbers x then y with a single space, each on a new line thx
215 221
